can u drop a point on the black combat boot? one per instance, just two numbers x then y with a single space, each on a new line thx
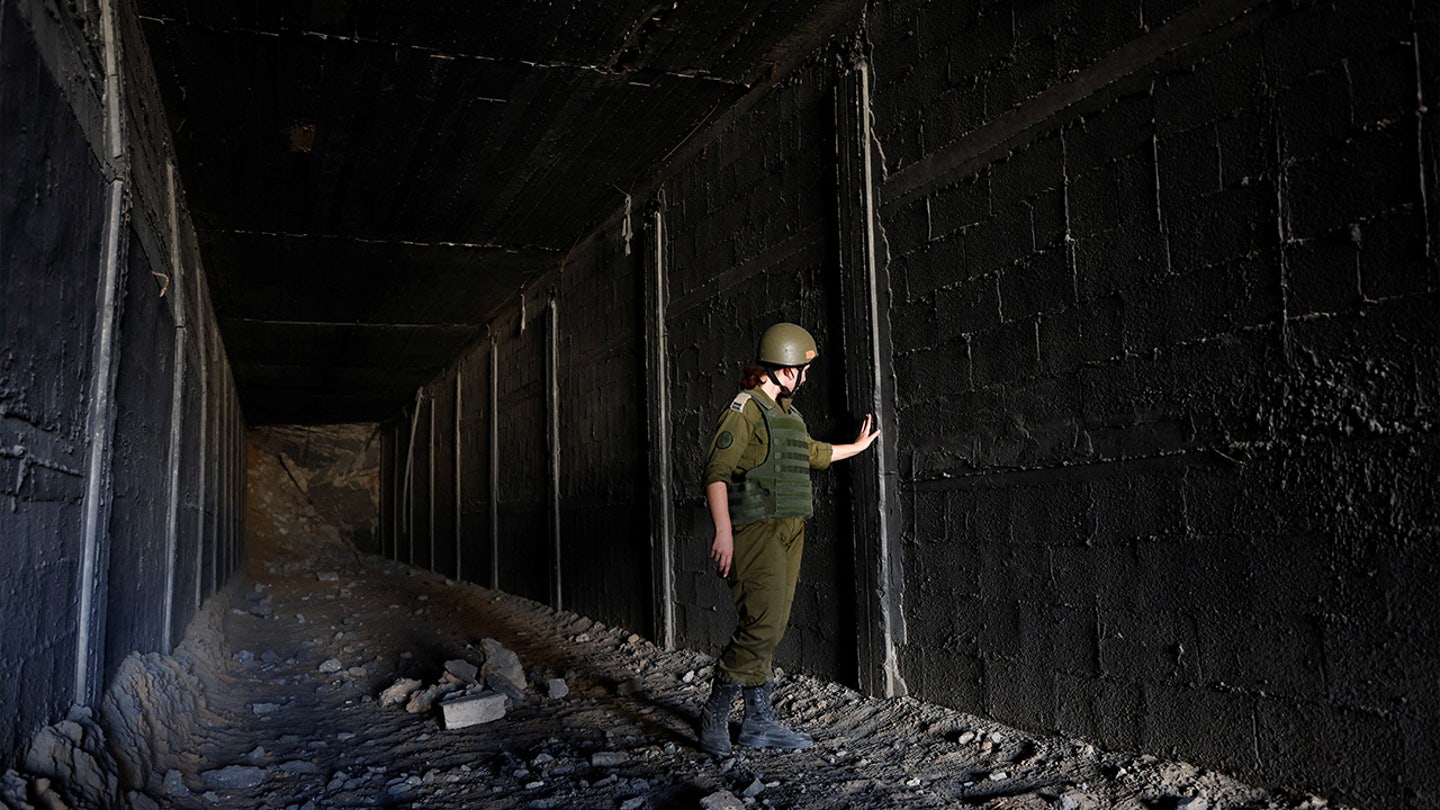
761 729
715 718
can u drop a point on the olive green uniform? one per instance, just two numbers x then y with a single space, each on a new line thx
766 564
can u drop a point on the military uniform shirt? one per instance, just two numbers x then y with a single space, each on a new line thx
741 442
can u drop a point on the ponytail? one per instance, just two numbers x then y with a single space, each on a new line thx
752 375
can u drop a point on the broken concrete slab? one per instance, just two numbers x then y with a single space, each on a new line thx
554 688
502 684
461 711
233 777
462 669
721 800
501 661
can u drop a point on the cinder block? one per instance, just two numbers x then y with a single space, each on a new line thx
1123 127
960 205
473 710
1109 712
1043 284
1037 167
1005 354
1151 646
1021 694
1093 197
1360 755
1392 255
951 116
1224 82
1089 332
969 307
1214 728
997 242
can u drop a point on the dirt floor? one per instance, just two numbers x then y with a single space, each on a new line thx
294 657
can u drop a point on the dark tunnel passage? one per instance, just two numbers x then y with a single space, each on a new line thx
445 302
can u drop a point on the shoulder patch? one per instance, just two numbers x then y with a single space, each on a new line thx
738 403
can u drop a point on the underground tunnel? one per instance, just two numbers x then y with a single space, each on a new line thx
361 361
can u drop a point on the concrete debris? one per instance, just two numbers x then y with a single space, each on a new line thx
721 800
461 711
174 784
1193 803
555 688
266 708
499 660
505 686
462 669
1077 800
633 803
270 657
966 738
399 692
331 665
998 776
73 754
233 777
632 686
257 753
756 787
609 759
424 700
327 576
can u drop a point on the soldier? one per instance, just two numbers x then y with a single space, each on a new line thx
757 485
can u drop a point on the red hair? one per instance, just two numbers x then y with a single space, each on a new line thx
752 375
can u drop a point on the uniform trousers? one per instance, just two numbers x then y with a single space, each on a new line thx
762 580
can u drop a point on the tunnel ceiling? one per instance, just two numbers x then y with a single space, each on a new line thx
371 181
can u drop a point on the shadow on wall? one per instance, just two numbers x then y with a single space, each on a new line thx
337 468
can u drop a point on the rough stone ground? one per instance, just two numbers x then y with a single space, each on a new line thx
293 735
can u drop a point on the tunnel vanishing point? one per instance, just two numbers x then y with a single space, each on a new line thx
1144 293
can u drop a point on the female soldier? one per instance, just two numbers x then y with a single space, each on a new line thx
757 485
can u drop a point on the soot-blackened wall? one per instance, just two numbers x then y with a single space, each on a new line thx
1156 288
1166 324
119 488
748 232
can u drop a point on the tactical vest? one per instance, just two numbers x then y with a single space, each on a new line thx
779 486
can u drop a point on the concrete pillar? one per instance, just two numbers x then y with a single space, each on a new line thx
177 410
657 390
552 407
869 387
494 464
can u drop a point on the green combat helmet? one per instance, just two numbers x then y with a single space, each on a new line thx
786 344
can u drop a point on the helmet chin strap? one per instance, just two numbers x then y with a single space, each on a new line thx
784 390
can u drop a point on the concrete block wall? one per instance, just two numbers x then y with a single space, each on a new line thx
748 225
1166 347
1162 297
121 479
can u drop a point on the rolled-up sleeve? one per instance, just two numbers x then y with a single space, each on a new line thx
820 453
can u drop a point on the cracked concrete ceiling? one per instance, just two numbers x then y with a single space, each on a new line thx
371 181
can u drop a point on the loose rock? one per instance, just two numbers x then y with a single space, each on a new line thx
472 710
233 777
721 800
399 692
462 669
